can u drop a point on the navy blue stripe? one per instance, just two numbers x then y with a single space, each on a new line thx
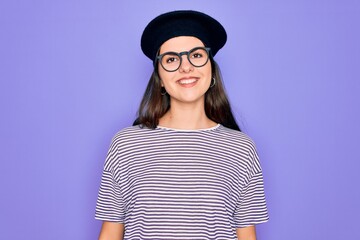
170 184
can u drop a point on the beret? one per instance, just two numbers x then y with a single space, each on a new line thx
182 23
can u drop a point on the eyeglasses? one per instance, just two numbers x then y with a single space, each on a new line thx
171 61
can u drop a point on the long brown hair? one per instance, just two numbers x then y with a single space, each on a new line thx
154 104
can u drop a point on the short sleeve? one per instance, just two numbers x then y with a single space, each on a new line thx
251 208
110 206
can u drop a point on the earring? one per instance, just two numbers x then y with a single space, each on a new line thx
213 82
163 91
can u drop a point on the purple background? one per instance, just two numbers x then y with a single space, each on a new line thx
72 74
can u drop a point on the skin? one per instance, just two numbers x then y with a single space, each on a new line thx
186 100
186 87
246 233
115 231
112 231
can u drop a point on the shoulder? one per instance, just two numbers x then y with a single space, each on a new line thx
137 129
245 147
236 138
123 141
129 134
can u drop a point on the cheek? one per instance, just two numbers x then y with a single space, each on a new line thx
164 76
208 70
161 74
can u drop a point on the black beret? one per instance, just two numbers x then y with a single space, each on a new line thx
182 23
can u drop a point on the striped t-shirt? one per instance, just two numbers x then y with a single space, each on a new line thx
182 184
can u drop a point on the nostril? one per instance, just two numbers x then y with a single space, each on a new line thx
186 64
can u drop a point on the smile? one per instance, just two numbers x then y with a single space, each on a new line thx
187 81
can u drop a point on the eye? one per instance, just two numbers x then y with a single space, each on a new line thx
197 54
168 59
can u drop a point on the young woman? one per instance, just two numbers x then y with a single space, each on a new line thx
184 170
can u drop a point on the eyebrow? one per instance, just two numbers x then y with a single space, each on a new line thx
158 53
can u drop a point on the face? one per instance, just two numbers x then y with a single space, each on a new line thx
188 84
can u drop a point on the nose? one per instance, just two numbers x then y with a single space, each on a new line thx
185 66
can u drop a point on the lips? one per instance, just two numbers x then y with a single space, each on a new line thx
186 81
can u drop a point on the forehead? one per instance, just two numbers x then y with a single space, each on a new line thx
180 44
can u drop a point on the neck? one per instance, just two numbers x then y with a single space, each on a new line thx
187 117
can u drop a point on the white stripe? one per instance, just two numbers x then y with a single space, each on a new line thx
171 184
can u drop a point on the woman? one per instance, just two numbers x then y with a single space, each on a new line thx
184 170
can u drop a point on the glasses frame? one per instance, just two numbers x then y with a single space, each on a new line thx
180 54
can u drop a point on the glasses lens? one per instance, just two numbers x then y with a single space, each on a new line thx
198 57
170 62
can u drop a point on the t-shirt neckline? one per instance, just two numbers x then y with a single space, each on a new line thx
189 130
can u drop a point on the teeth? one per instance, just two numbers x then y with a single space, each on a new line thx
187 81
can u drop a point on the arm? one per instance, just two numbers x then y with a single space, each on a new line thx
112 231
246 233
